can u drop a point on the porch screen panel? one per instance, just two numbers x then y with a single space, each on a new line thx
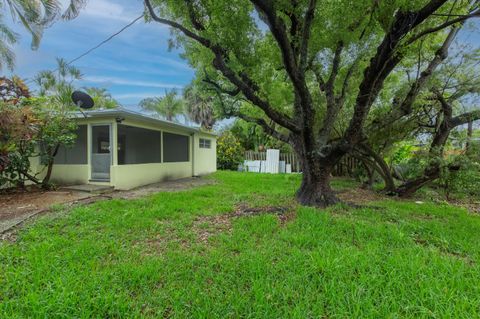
175 148
76 154
138 145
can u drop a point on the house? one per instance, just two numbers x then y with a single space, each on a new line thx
126 149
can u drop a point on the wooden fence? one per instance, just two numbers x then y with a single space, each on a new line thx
346 167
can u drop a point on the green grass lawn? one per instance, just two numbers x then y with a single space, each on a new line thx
171 255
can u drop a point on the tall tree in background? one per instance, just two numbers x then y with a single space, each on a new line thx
101 98
35 16
168 106
312 69
199 107
58 84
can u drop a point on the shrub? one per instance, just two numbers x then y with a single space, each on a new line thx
463 181
32 128
229 151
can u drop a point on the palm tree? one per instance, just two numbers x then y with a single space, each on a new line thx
35 16
199 107
7 39
102 98
168 106
58 84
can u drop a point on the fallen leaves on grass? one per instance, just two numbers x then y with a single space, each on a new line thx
359 196
207 226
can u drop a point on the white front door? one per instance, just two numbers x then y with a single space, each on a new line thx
101 152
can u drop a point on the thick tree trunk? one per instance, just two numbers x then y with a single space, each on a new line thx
377 163
315 189
368 184
409 188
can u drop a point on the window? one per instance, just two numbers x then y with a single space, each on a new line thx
138 145
175 148
77 153
204 143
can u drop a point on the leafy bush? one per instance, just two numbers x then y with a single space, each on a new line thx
229 151
460 179
35 128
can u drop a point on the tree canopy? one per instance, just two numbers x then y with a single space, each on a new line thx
315 74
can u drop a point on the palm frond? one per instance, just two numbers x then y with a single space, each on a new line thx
7 57
74 9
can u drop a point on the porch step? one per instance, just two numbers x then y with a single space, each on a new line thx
90 188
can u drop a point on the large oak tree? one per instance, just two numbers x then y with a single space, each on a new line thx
311 70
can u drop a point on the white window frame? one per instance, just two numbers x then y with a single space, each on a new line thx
205 143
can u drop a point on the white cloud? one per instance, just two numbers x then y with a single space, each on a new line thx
104 9
120 81
139 95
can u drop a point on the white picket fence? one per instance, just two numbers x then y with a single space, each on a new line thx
288 163
272 164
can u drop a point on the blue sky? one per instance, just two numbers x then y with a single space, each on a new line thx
134 65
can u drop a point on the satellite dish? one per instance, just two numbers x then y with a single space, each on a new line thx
82 100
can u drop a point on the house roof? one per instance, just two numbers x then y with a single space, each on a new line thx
128 114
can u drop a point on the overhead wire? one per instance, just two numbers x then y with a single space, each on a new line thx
98 45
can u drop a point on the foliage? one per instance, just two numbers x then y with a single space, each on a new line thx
17 126
199 107
181 256
13 90
102 98
35 16
32 130
168 106
59 84
252 137
321 75
403 152
229 151
7 39
461 179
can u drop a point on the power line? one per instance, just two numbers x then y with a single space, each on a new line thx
106 40
99 45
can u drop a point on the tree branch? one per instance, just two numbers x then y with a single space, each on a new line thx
307 27
193 17
444 25
278 29
218 87
244 84
465 118
383 63
173 24
330 85
346 82
404 108
332 107
279 117
266 128
279 32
